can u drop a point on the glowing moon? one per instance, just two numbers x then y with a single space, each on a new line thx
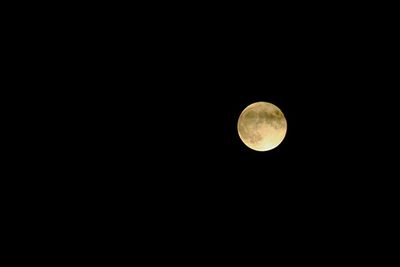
262 126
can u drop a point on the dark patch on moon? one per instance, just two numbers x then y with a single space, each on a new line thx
275 119
249 133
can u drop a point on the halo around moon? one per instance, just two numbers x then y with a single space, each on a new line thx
262 126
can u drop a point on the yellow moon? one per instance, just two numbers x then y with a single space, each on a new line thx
262 126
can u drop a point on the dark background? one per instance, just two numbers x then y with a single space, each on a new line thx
145 140
166 91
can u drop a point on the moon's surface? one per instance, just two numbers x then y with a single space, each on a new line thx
262 126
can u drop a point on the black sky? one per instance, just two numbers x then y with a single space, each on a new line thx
156 110
166 97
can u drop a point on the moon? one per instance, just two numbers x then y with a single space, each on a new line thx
262 126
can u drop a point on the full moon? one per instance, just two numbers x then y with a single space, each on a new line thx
262 126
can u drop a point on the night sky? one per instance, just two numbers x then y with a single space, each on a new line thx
157 141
